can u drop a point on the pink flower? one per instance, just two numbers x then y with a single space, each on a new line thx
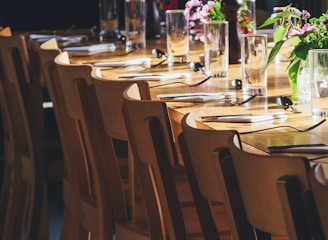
305 14
205 10
301 31
193 3
192 10
295 32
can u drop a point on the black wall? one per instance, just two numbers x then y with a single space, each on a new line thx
46 14
24 15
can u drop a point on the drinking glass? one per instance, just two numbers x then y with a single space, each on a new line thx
177 36
108 13
318 65
254 61
135 24
216 48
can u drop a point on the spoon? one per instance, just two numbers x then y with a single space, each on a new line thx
285 103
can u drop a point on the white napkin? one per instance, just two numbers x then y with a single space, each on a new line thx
154 76
90 50
303 148
45 37
244 118
195 97
140 61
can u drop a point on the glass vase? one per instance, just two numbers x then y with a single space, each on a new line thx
216 48
302 98
196 43
108 14
303 78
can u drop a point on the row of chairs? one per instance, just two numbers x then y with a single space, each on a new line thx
277 209
32 149
220 192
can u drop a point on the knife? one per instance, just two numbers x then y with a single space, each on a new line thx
243 118
300 148
154 76
274 114
198 94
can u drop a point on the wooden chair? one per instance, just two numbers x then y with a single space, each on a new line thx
198 147
75 179
109 94
152 144
9 163
6 32
107 195
23 200
109 99
319 187
96 213
273 190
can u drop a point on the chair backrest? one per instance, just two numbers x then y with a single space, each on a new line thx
199 147
22 139
8 155
79 96
75 180
319 186
151 140
109 99
6 32
272 190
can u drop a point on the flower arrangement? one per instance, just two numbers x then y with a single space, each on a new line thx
246 23
304 32
205 11
198 11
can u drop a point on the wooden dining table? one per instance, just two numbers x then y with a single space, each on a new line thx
257 142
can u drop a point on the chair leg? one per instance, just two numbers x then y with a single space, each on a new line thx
44 223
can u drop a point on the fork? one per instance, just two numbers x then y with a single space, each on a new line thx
288 126
215 101
186 84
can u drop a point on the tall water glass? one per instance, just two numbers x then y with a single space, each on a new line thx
177 36
108 13
253 61
318 64
135 24
216 48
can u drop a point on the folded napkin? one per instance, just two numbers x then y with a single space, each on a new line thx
195 97
154 77
303 148
244 118
91 49
139 61
71 38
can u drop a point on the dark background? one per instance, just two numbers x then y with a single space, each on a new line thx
55 14
22 15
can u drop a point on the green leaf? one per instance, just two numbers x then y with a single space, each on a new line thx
279 33
269 21
292 74
302 50
295 40
274 51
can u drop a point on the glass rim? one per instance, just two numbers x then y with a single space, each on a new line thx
215 21
319 50
174 11
254 35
